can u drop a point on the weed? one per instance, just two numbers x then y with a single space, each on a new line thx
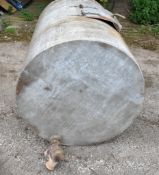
145 11
41 6
108 4
5 23
10 30
155 29
10 10
26 15
149 29
103 2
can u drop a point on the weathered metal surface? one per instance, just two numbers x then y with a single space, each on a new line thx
80 81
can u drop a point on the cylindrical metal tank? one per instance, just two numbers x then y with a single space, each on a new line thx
80 80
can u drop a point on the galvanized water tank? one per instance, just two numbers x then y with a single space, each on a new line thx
80 80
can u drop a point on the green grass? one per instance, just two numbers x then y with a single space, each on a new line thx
27 15
155 29
40 6
149 29
145 11
108 4
10 30
103 2
5 23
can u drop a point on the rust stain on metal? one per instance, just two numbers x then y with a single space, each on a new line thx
23 81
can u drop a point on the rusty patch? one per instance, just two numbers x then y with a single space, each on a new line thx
104 45
23 81
47 88
81 6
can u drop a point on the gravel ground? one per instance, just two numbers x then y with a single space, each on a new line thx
136 151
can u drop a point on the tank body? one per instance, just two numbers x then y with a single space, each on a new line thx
80 80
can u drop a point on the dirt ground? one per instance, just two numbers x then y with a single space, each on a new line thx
136 151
